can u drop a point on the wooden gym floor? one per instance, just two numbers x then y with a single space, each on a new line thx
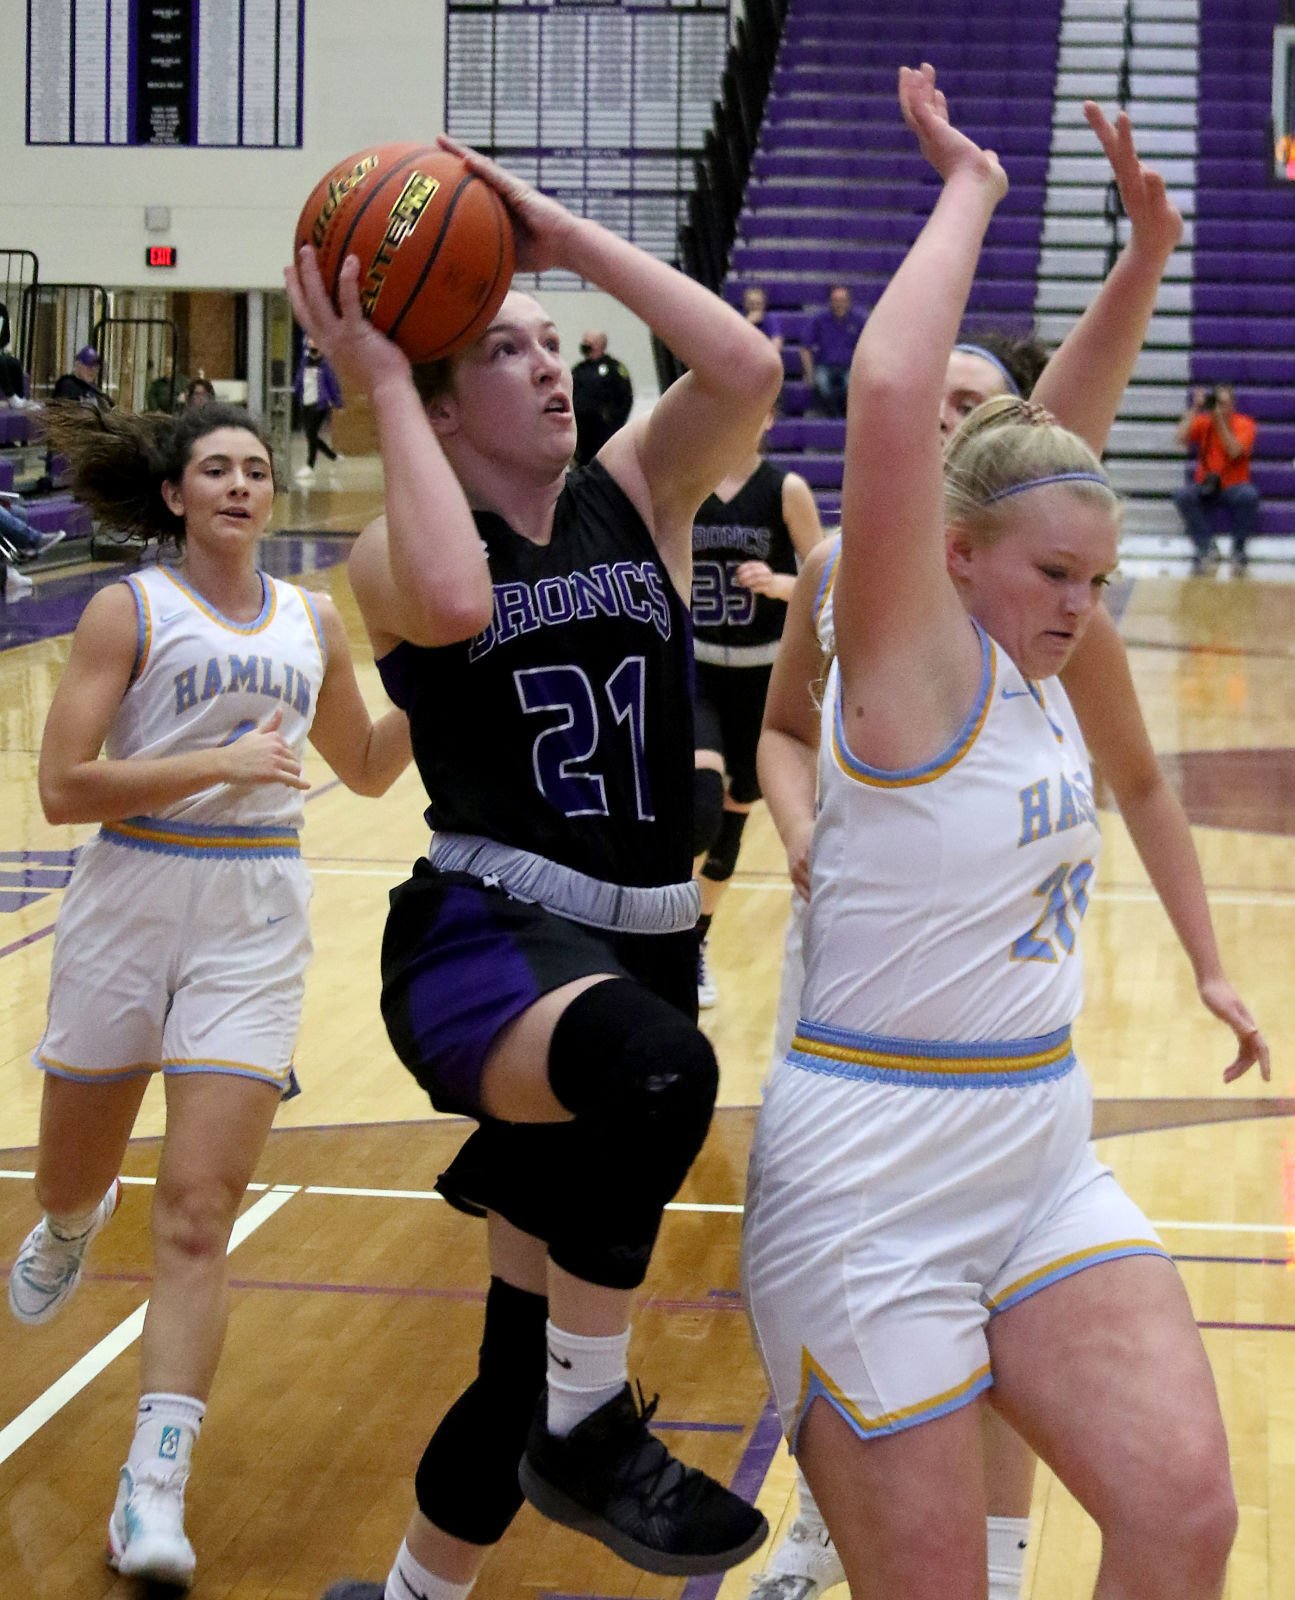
358 1294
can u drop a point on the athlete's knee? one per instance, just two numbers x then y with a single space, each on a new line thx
622 1056
707 808
1181 1519
466 1483
641 1081
194 1219
722 860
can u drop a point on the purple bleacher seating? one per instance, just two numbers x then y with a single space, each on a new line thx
1243 327
59 511
838 190
16 427
6 475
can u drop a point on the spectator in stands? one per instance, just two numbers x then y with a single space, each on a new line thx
13 381
601 396
319 394
1224 440
755 308
16 586
200 392
81 385
16 532
829 345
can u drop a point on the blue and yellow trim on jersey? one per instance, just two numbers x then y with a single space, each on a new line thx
930 1063
312 614
284 1079
143 627
966 736
209 841
64 1069
815 1384
827 580
1067 1266
1036 692
258 624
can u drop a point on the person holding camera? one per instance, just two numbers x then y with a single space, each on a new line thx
1224 440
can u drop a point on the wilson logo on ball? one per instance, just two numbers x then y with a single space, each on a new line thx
403 219
434 242
338 189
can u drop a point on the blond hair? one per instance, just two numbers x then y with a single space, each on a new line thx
1009 445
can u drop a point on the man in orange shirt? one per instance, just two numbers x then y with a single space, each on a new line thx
1224 441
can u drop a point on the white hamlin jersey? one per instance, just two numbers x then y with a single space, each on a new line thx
946 899
201 680
824 624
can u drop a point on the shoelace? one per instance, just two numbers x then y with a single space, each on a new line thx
156 1491
782 1586
655 1469
48 1269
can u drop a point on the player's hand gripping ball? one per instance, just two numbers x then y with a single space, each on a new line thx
434 241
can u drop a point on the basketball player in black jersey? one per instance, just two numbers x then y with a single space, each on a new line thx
539 968
748 537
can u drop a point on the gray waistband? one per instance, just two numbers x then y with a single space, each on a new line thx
735 655
672 908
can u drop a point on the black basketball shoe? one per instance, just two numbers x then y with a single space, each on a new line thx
614 1480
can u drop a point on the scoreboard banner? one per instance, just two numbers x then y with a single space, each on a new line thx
604 104
165 73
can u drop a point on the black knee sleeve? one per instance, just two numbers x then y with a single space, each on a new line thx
707 809
641 1082
466 1483
722 859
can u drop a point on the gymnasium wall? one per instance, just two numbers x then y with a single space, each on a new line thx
373 72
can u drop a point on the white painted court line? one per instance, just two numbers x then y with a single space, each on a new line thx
1222 897
88 1368
343 1192
374 1194
1280 898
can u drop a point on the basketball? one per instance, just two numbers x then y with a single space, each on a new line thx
434 242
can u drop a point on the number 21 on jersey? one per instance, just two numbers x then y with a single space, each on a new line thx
563 753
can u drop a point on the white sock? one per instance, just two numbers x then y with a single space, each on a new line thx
1008 1538
584 1373
70 1229
166 1430
408 1580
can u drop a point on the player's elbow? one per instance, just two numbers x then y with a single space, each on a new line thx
766 371
58 800
448 616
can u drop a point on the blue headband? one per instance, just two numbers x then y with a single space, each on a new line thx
988 355
1055 477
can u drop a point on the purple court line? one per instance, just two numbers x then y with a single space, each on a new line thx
41 933
1250 1327
21 944
402 1291
751 1472
1179 648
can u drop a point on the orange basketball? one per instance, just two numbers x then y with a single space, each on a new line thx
435 244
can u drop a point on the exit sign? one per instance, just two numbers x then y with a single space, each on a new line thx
161 255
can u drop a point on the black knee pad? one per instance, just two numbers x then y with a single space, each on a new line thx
707 809
641 1082
722 859
466 1483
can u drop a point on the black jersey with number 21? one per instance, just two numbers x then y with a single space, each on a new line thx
566 727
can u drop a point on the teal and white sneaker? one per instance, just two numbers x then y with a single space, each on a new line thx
803 1567
48 1269
146 1537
